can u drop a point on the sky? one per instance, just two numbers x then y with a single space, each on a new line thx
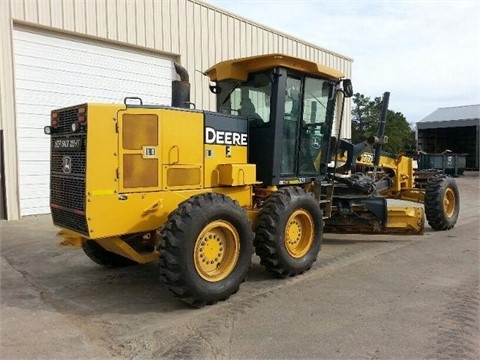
425 53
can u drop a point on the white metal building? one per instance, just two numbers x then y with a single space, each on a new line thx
56 53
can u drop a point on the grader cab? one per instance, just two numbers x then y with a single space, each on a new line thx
198 191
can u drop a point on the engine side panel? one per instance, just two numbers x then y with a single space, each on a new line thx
131 167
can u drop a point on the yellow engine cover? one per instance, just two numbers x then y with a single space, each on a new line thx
139 163
236 174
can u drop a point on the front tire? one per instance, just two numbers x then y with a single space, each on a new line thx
289 232
206 249
442 203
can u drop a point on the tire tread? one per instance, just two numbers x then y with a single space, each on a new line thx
267 233
177 227
434 195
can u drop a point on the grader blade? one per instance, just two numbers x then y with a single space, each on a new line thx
405 220
399 220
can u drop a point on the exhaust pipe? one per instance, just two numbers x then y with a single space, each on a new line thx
181 88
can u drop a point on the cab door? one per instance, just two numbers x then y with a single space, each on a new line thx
291 119
315 126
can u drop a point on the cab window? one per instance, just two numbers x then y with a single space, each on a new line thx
293 101
250 99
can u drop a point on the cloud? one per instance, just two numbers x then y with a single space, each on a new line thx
426 53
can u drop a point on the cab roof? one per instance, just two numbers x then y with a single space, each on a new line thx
238 69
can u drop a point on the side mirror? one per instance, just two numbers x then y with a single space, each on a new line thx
347 88
215 89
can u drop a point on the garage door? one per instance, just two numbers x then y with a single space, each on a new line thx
52 71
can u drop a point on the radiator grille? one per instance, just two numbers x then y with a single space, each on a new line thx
77 161
67 183
68 192
69 220
66 117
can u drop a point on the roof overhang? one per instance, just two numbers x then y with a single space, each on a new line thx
238 69
447 124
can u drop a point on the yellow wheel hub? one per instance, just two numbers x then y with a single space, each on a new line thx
299 233
217 250
449 202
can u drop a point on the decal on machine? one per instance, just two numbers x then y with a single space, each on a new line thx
226 130
220 137
292 181
67 164
149 152
367 158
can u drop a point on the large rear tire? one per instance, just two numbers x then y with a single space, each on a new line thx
104 257
442 203
205 249
289 232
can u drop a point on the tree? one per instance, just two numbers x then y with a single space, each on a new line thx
366 119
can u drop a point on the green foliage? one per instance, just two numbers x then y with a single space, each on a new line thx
366 120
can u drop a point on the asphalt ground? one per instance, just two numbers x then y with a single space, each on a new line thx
367 297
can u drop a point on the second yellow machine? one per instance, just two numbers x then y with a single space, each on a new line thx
199 191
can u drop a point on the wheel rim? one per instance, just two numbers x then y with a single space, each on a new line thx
299 233
217 250
449 202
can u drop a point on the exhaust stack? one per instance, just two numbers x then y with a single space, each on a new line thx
181 88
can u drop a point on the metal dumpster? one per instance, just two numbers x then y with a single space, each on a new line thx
449 163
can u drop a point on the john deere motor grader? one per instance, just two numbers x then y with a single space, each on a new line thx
198 191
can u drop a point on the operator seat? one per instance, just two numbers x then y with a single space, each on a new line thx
247 109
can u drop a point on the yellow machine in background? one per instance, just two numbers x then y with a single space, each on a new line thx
199 190
392 176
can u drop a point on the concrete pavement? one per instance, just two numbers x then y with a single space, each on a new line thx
367 297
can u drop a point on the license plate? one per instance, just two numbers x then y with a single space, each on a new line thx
68 144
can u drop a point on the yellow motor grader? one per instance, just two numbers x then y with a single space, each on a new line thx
198 191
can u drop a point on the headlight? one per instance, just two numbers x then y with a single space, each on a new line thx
48 130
